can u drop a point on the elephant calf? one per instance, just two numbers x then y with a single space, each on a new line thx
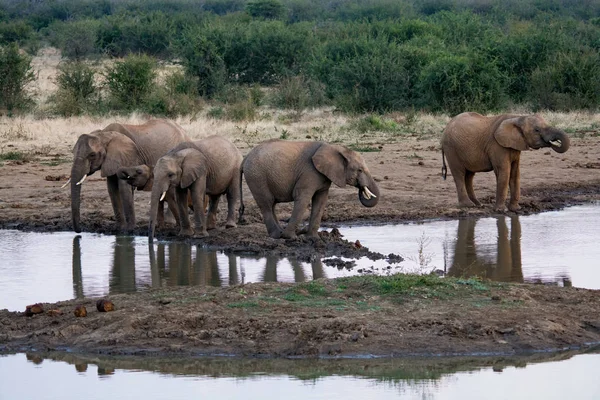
474 143
210 167
279 171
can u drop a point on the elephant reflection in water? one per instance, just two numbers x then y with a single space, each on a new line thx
469 262
122 273
180 269
270 274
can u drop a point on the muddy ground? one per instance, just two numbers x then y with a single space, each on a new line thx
243 321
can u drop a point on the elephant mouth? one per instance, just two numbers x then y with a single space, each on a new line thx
368 194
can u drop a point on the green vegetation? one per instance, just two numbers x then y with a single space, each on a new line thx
359 56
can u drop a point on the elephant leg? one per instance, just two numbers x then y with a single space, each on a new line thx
233 196
172 204
267 209
469 186
300 204
126 194
515 186
459 174
112 183
319 201
184 220
213 207
502 178
198 190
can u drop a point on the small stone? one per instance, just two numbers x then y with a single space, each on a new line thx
103 305
80 311
496 298
54 313
33 309
357 244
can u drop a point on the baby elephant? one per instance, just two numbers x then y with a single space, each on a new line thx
141 177
210 167
473 143
279 171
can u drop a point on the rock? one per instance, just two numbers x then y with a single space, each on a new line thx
105 305
80 311
33 309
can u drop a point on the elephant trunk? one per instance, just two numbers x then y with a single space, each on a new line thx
157 196
558 140
368 192
78 172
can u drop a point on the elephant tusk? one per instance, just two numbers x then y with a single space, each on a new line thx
66 183
368 193
81 181
556 143
163 196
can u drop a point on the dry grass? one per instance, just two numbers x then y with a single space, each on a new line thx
28 133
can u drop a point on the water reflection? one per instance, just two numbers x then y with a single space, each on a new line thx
502 263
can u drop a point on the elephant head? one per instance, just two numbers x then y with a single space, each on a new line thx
139 176
346 167
99 150
177 169
530 132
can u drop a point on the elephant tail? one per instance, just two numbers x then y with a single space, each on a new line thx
444 168
242 207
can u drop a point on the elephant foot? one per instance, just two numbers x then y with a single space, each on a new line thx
186 232
230 224
275 234
289 235
500 209
466 204
514 208
201 234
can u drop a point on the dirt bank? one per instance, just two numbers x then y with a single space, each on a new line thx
382 316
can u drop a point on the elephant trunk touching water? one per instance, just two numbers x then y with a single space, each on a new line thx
113 147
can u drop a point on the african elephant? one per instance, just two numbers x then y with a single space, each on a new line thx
115 146
141 177
279 171
474 143
210 167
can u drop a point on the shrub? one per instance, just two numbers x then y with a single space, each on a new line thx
76 89
267 9
14 31
571 82
298 93
131 80
75 39
16 73
454 84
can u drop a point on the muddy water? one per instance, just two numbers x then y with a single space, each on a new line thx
552 248
65 376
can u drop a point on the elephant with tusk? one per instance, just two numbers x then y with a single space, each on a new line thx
475 143
280 171
208 167
116 146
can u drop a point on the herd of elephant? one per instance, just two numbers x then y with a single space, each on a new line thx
159 156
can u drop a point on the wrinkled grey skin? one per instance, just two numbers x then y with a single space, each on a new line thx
113 147
279 171
474 143
210 167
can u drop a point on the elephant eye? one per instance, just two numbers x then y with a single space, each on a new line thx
170 174
139 171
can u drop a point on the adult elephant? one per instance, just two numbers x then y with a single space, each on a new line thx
474 143
210 167
116 146
279 171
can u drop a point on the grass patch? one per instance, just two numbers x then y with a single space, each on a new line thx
16 156
243 304
364 149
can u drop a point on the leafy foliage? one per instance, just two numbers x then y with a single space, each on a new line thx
16 73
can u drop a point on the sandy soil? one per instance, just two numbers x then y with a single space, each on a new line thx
203 320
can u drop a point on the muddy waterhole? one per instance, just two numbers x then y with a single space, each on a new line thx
554 248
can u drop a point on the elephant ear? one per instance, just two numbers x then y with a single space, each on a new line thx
193 166
120 152
510 135
329 161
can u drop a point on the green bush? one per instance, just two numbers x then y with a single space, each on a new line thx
571 82
75 39
454 84
267 9
14 31
130 81
16 73
77 92
298 93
